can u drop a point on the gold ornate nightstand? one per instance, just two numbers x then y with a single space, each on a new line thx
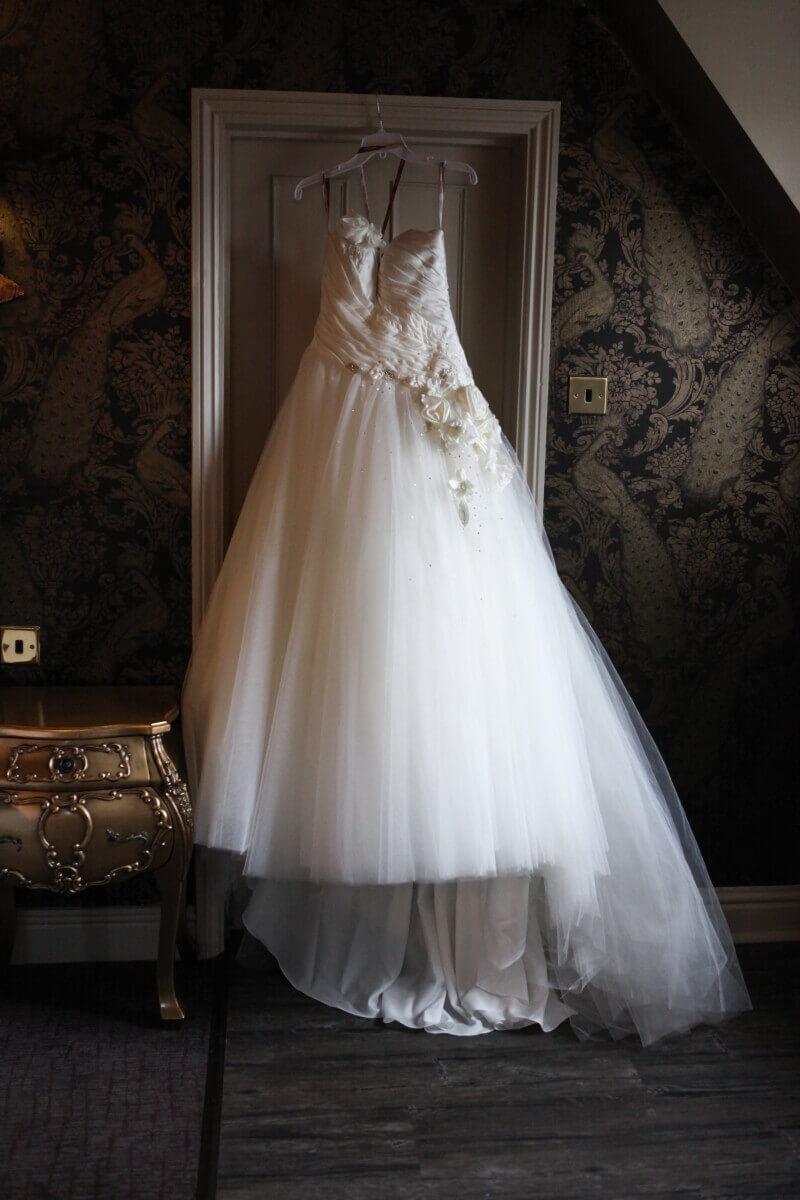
90 794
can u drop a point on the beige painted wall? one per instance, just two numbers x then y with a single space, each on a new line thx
750 49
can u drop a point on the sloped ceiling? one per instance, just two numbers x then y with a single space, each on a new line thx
749 50
675 77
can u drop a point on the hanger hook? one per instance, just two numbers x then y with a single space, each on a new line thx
380 115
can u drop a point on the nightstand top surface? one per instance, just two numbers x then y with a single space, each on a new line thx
75 711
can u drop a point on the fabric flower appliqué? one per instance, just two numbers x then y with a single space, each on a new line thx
440 413
461 418
461 487
361 232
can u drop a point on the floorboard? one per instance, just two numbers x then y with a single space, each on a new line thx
317 1103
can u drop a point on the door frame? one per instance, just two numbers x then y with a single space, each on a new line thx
219 117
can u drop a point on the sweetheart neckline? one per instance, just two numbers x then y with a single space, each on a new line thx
375 229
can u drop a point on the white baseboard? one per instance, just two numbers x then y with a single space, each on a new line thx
125 933
762 914
116 933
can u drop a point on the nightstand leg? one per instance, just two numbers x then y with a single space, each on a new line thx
8 922
171 880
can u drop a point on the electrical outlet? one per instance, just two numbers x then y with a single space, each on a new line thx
19 644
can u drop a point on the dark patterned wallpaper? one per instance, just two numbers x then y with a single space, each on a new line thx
674 520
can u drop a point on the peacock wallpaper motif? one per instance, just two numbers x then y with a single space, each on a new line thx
675 519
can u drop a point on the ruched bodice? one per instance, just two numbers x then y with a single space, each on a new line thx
386 309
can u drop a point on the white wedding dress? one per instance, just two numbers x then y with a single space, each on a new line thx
449 811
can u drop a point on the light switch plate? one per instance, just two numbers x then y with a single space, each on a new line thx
19 644
588 393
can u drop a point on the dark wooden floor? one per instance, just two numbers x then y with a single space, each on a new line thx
320 1104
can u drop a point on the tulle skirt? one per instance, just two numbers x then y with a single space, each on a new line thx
448 808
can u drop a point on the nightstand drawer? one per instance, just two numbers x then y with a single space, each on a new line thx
37 764
67 841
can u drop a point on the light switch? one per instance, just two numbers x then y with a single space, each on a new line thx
588 393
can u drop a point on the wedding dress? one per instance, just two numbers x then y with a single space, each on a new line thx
449 810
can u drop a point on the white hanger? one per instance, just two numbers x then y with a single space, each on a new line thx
383 142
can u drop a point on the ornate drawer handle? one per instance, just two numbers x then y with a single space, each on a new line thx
113 836
7 839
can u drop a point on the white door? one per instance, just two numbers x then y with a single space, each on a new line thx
257 259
